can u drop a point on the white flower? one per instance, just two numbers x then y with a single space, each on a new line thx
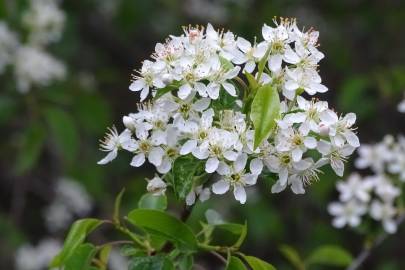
250 54
156 186
384 188
113 142
309 80
148 147
147 79
218 146
340 128
277 39
34 66
373 156
355 188
336 156
220 78
234 176
384 212
293 140
348 213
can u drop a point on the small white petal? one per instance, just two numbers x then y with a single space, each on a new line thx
240 193
211 165
220 187
138 160
256 166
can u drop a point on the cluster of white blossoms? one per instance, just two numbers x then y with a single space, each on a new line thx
375 195
31 63
71 199
200 108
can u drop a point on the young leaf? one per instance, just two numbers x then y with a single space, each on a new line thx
157 262
185 168
253 84
81 258
64 132
162 91
226 63
150 201
104 255
234 263
265 109
117 207
258 264
331 256
161 224
78 232
292 256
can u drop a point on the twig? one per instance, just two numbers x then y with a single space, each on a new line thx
219 256
366 252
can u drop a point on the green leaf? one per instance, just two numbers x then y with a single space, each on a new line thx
150 201
185 262
162 91
64 132
262 63
161 224
234 263
253 84
226 63
184 171
104 255
292 256
31 143
76 236
330 255
8 108
265 109
157 262
117 207
237 229
81 258
258 264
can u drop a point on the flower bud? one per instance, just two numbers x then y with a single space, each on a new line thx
323 129
156 186
129 122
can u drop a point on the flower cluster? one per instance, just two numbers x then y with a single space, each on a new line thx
71 199
375 195
202 108
32 64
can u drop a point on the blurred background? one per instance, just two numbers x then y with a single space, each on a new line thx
50 126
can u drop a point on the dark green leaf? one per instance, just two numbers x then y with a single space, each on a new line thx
8 107
264 111
292 256
161 224
234 263
185 170
237 229
330 255
258 264
64 132
150 201
150 263
76 236
31 146
81 258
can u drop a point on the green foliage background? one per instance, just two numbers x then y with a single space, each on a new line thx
53 131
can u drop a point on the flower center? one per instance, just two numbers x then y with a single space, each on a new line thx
144 146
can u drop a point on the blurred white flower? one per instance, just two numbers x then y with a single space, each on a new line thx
384 212
71 199
8 44
34 66
45 21
348 213
29 257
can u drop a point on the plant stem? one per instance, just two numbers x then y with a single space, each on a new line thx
366 252
219 256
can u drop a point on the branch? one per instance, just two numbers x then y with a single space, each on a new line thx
366 252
